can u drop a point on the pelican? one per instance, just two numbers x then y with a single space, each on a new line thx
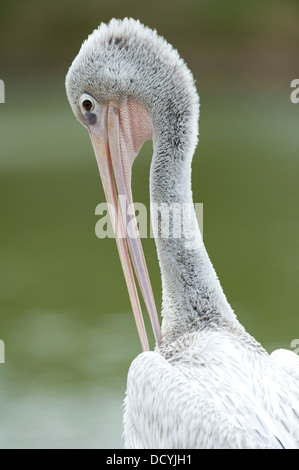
208 383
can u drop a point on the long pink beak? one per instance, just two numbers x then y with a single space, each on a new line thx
105 137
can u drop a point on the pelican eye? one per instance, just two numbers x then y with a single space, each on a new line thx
87 105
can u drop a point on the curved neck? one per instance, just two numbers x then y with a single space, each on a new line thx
191 293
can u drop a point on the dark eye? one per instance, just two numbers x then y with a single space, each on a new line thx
87 104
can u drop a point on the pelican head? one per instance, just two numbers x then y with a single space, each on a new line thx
128 85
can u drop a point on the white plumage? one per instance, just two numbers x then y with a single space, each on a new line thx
208 384
218 390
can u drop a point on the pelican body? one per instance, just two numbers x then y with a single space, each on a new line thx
208 383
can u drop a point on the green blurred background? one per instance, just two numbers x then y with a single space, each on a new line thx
65 314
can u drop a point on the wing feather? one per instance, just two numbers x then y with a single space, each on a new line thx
170 405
